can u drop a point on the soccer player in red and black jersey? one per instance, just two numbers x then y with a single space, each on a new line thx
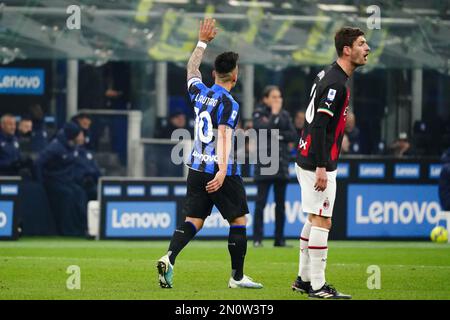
318 153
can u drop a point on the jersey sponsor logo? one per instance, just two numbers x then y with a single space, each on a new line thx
331 94
205 157
302 144
206 100
305 150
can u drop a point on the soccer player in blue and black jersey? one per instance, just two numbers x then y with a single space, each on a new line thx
214 176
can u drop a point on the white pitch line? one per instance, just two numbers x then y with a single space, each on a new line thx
195 261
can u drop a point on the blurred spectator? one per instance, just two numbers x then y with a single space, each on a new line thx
84 121
159 153
24 131
104 87
177 120
444 142
25 126
299 122
87 171
422 137
270 115
117 80
345 148
55 168
401 147
381 148
352 132
91 87
444 181
12 163
39 135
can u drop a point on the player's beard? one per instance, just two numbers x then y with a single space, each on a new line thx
357 64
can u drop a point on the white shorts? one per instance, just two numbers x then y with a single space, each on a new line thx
320 203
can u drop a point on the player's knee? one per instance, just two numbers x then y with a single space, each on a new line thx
197 222
239 221
322 222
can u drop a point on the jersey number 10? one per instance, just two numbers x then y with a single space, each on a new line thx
200 120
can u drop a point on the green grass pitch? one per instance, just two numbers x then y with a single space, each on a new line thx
35 268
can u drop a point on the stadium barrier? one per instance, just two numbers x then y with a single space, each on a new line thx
377 198
9 217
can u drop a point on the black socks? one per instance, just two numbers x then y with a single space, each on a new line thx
237 246
181 237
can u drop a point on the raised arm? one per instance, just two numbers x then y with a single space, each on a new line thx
206 33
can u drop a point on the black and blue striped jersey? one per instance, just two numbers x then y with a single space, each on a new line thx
213 107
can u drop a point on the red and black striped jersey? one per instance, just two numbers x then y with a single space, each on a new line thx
321 138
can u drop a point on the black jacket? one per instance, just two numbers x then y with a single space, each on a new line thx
444 182
57 161
9 155
264 119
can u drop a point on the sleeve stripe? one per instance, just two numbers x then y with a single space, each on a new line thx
192 81
326 111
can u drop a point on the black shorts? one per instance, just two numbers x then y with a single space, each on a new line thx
230 199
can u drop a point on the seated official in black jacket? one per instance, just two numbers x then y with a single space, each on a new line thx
55 168
12 163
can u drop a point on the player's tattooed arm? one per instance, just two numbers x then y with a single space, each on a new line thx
194 63
207 32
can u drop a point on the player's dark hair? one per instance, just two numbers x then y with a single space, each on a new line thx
345 37
226 62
